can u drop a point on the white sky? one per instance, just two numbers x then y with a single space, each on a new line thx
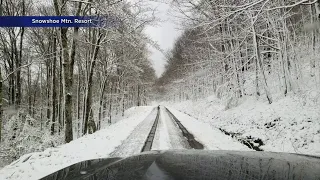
164 34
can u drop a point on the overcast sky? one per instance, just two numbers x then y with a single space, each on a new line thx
164 34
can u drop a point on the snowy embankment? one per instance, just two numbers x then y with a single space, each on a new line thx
209 136
286 125
98 145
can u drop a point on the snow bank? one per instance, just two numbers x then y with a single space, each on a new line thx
97 145
207 135
286 125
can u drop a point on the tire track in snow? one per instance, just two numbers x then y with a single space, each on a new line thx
134 143
171 133
162 139
211 137
149 141
190 138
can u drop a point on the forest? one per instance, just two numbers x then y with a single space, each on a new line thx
58 84
262 48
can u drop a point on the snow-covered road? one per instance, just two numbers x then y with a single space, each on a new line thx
124 138
134 143
168 134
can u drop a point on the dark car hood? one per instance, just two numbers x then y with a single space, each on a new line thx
194 165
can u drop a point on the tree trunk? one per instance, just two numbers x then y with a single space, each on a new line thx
101 101
41 97
110 103
257 78
260 63
29 92
138 98
54 89
90 83
78 101
1 94
68 77
35 93
48 88
68 66
11 83
19 62
60 103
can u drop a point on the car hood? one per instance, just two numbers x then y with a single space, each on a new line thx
195 164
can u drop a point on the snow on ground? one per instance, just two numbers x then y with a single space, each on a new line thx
207 135
161 139
134 143
98 145
168 135
176 138
286 125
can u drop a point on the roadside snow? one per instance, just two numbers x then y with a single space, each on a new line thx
286 125
210 137
98 145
